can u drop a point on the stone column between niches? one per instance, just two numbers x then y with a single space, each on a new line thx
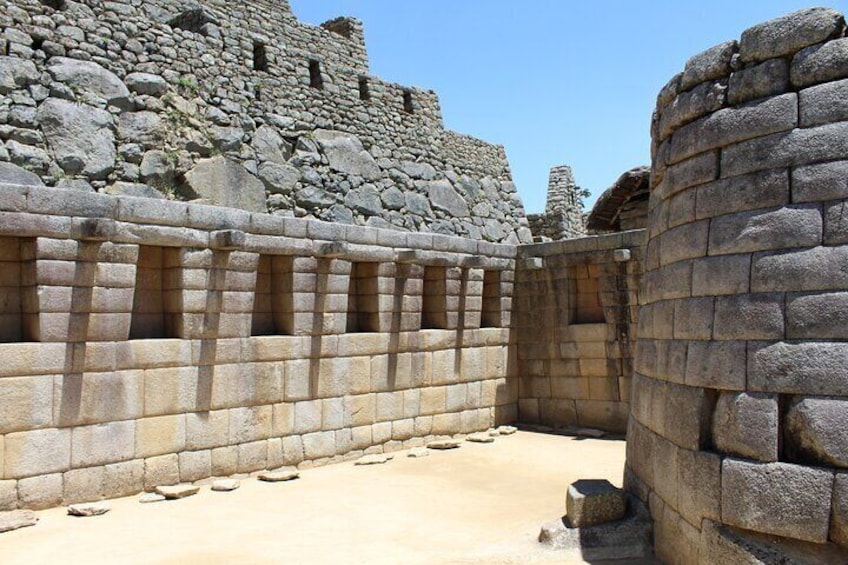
740 400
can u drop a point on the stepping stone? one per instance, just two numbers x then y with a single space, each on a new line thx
149 497
178 491
507 430
374 459
416 452
480 438
17 519
443 444
225 485
279 476
592 502
86 510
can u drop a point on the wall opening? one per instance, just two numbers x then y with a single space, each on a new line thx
364 89
434 314
490 317
157 297
18 314
194 20
363 299
315 79
273 305
585 285
408 105
55 4
260 57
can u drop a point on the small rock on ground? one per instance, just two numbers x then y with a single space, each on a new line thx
149 497
375 459
279 475
416 452
507 430
178 491
225 485
480 438
89 509
444 444
17 519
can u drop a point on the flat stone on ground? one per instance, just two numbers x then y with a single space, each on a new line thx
178 491
507 430
88 509
225 485
374 459
417 452
443 444
590 502
482 437
590 432
149 497
279 476
17 519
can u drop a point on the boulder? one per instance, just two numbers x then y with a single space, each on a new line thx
16 73
270 146
418 171
140 127
365 200
146 83
17 519
28 157
226 183
226 138
746 424
311 197
157 168
393 198
346 154
14 174
443 197
278 179
90 78
80 137
418 204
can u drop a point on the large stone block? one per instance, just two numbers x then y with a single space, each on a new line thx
769 78
710 64
207 430
83 485
747 425
716 364
92 398
249 424
160 435
815 430
789 33
761 230
37 453
103 443
839 517
819 268
80 136
817 316
41 492
162 470
321 444
749 317
836 223
123 479
715 276
593 502
27 403
820 63
215 179
699 473
821 181
798 368
777 498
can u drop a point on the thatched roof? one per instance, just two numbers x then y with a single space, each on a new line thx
632 185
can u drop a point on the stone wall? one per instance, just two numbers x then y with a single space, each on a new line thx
148 342
740 403
575 321
184 100
563 216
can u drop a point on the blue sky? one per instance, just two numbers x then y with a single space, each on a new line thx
555 81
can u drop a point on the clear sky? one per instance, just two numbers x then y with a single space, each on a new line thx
555 81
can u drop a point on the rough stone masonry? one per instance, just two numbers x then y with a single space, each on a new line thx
238 105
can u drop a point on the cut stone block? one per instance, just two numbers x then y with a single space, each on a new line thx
591 502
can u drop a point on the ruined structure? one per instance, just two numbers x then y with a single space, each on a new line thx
737 432
148 341
624 205
563 216
185 99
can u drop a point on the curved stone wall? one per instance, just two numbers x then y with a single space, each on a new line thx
737 437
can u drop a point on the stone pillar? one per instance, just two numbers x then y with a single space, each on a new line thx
740 393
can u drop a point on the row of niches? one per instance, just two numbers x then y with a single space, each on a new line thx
158 297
